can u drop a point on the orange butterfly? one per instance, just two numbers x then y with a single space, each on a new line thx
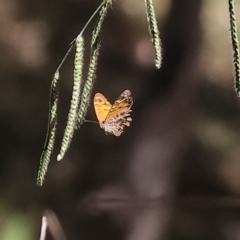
113 118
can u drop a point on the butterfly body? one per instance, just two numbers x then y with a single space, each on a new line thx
113 118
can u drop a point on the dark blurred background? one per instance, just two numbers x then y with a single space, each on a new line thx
174 174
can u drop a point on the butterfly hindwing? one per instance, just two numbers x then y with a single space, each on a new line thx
116 124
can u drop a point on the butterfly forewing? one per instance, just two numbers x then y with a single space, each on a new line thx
121 105
102 107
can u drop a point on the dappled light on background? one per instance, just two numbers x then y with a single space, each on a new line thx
25 41
231 230
144 53
16 226
216 55
135 8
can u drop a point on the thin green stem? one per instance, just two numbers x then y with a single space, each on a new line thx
68 51
95 45
91 18
81 33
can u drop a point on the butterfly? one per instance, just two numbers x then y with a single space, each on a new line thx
113 118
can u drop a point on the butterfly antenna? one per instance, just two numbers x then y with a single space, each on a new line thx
90 121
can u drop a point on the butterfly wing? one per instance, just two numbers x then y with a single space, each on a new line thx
102 107
119 115
121 105
115 125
